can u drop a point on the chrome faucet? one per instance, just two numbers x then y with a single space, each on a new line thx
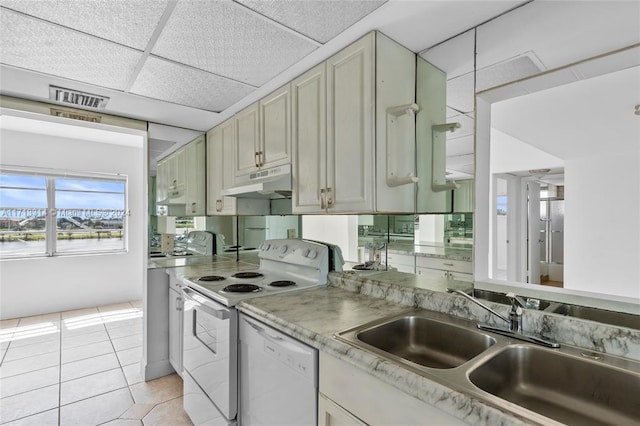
514 320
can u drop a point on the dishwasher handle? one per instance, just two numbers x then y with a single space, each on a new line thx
277 340
205 305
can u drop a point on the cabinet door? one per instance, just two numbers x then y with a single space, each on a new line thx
331 414
309 140
175 329
227 159
275 129
432 273
220 169
176 175
247 128
161 181
195 163
350 128
214 169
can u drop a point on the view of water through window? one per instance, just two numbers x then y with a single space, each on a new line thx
47 214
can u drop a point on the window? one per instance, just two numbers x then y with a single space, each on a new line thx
49 213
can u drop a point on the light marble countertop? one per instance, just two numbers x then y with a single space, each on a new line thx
314 316
203 261
432 250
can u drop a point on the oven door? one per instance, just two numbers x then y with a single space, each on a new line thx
210 353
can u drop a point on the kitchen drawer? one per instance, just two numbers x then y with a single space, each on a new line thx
445 264
394 259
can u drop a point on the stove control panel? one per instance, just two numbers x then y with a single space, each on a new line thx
295 252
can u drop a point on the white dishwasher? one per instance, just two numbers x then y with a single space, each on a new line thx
278 377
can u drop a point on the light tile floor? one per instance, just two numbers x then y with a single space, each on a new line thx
82 368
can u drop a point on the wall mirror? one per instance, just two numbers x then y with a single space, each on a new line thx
558 158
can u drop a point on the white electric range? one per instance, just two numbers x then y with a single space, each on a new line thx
210 346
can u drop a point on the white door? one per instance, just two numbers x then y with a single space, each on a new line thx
533 234
350 128
275 129
309 140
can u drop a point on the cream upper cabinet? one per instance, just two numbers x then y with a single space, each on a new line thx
162 177
247 144
275 129
309 139
340 126
220 143
350 132
180 181
264 133
195 165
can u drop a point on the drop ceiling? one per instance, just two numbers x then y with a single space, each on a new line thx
186 65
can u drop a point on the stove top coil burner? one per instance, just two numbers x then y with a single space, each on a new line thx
211 278
242 288
282 283
246 275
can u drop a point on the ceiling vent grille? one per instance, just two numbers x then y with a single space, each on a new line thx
76 98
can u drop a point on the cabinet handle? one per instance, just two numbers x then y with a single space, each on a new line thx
329 198
261 158
178 303
257 158
193 207
218 205
322 204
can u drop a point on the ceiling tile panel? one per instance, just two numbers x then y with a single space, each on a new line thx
227 39
48 48
172 82
130 22
320 20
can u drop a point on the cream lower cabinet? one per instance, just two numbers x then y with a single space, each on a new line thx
444 268
349 396
221 143
341 126
331 414
401 262
176 304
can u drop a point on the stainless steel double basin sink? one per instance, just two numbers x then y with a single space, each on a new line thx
568 385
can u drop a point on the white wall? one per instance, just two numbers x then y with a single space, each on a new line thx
601 227
42 285
339 230
509 154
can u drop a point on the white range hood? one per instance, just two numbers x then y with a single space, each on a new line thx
270 183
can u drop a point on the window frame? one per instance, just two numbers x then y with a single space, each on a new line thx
51 217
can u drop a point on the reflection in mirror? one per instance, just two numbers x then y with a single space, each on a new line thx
446 73
565 185
576 121
254 230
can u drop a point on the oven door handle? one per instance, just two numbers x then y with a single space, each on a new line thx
205 305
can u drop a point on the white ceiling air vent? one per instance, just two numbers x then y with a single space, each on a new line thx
76 98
